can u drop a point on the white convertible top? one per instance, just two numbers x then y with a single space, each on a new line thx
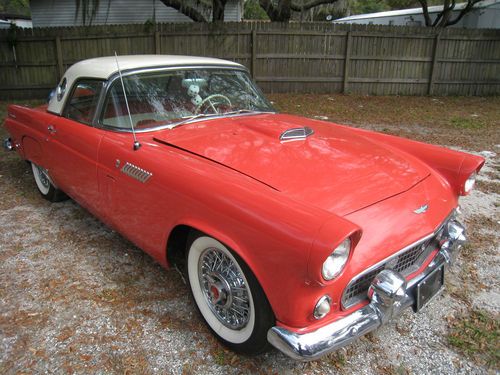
105 67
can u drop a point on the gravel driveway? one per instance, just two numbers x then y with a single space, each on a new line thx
75 297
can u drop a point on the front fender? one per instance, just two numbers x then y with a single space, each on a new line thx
331 234
454 166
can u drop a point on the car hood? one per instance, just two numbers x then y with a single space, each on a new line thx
334 168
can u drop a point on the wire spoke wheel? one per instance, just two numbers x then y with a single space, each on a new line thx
228 295
224 288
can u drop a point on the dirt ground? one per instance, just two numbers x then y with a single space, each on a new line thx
75 297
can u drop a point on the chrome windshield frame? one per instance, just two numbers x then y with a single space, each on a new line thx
108 84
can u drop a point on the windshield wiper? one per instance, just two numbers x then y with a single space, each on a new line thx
191 118
200 115
237 112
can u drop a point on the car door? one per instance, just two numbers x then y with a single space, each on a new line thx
73 144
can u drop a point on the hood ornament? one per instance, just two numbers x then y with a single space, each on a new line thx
422 209
296 134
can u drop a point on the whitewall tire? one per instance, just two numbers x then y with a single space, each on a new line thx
45 185
228 295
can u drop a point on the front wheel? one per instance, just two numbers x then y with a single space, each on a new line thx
45 185
228 296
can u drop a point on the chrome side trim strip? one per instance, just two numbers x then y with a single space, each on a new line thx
134 171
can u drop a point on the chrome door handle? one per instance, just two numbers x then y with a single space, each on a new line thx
51 129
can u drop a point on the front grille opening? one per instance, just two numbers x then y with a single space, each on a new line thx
405 263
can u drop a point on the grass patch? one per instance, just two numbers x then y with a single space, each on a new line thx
467 123
441 120
477 336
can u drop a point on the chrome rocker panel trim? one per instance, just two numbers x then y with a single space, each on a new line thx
389 295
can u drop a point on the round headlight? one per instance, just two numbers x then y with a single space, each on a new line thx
336 261
469 183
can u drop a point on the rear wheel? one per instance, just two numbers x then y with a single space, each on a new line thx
45 185
228 296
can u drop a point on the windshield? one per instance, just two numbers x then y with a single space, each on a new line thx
174 97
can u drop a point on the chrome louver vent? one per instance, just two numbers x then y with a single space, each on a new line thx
135 172
296 134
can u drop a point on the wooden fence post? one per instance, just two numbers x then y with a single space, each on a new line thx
157 42
60 67
432 77
347 59
254 52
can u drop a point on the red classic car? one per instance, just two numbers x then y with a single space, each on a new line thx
295 232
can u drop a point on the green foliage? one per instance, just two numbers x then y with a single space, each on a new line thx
477 336
12 35
253 11
467 123
21 7
368 6
149 25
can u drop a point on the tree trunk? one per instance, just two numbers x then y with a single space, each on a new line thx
218 9
282 10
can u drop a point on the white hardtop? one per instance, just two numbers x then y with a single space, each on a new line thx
105 67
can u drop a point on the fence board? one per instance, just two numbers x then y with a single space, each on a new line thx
296 57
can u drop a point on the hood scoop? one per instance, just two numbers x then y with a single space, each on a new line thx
296 134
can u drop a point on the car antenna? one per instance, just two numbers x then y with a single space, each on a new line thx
136 142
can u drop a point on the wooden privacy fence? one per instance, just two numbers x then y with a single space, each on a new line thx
309 57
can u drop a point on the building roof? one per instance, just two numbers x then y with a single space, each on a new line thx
105 67
12 16
414 11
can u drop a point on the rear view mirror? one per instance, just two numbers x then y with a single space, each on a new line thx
200 82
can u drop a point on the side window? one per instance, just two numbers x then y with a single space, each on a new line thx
82 103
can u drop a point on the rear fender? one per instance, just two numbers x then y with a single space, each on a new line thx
32 150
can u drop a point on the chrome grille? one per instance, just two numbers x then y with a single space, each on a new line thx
405 262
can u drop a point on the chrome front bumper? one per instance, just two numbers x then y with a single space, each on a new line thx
389 295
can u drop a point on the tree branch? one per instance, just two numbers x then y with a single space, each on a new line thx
311 4
269 8
463 12
187 10
443 18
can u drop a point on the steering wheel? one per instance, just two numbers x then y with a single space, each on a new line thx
208 100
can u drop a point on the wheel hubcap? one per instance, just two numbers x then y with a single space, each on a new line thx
224 288
43 176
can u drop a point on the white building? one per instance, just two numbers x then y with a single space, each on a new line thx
49 13
486 14
7 19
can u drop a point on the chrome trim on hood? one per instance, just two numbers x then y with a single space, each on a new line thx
296 134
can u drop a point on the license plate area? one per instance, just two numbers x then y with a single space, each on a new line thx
429 287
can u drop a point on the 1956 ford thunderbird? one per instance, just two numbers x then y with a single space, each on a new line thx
299 233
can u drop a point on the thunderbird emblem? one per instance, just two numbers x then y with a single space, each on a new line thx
421 209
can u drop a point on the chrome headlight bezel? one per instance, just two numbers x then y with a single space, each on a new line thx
336 261
469 183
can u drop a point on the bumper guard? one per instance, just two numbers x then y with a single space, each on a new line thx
389 295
